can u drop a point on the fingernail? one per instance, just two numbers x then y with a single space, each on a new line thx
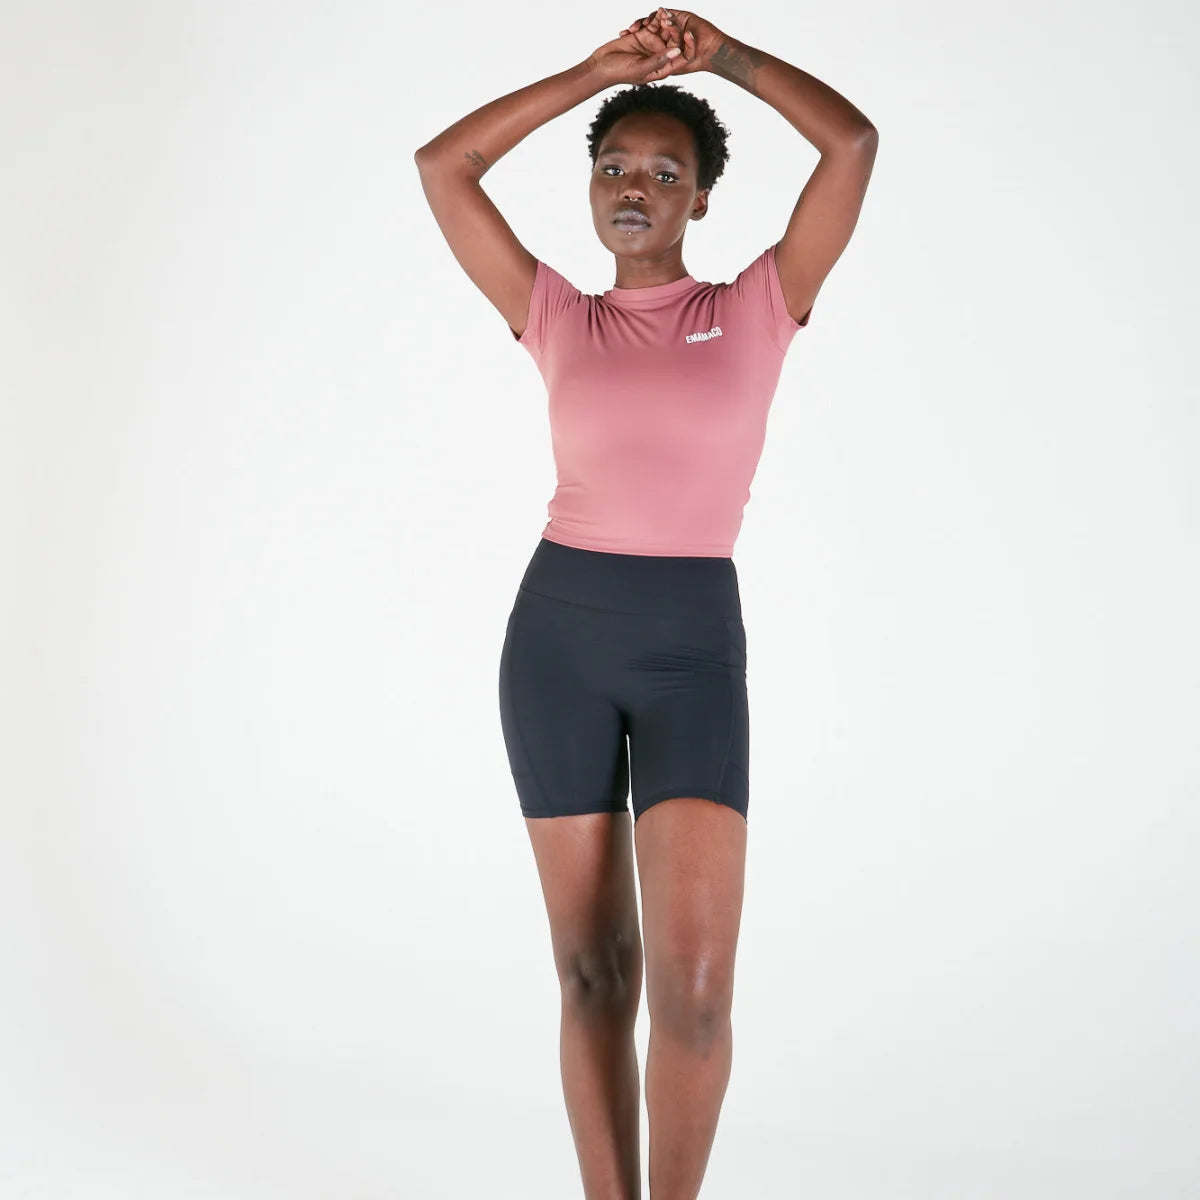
674 50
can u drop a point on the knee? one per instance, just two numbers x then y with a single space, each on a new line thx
604 977
694 1006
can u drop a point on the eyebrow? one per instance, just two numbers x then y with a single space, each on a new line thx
679 162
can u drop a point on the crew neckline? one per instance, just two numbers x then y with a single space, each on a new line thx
648 295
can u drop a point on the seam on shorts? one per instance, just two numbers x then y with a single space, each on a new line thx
732 712
575 812
576 604
702 793
629 612
521 735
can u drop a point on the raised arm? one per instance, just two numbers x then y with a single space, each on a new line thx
453 164
829 205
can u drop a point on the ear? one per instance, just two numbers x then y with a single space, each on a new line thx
701 205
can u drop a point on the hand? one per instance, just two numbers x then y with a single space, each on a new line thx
637 56
696 37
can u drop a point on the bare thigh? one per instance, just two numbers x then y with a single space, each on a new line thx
586 865
691 856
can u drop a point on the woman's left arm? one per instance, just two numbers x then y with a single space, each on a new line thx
827 211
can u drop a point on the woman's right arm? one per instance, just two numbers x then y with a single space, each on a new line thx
454 162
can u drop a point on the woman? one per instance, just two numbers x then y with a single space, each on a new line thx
627 623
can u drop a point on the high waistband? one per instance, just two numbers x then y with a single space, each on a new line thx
662 585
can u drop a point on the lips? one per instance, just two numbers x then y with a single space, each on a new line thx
631 218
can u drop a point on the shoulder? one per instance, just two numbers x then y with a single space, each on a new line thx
552 297
757 288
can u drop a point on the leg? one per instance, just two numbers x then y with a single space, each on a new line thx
691 855
585 863
566 743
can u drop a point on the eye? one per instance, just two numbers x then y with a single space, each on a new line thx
613 167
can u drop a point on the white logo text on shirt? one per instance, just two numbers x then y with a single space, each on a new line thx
715 331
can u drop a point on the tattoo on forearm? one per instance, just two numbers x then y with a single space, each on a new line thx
475 158
738 62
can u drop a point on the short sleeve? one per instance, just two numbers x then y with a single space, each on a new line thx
551 297
758 288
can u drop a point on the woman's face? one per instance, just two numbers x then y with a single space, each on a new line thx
646 165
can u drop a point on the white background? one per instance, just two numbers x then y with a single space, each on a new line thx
272 468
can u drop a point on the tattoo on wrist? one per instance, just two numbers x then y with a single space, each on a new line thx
737 62
475 158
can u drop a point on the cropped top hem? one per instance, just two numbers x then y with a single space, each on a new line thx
664 549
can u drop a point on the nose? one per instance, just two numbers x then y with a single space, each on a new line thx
632 190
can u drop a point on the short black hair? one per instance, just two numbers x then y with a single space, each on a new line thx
694 111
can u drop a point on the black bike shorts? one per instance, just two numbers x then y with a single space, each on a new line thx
622 669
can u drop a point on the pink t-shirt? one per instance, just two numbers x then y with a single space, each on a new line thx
658 402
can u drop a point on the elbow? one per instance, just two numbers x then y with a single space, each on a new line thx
425 156
861 139
867 137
